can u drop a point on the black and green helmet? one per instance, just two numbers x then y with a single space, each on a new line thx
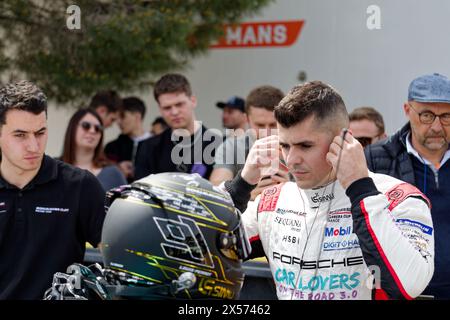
174 235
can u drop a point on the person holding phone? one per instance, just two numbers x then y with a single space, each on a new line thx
339 231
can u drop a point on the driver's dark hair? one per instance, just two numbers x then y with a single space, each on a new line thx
313 98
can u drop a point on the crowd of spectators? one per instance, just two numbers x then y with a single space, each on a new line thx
418 153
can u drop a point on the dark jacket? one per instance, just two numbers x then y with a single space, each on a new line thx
390 156
120 149
193 154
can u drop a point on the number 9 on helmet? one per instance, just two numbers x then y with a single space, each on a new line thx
173 235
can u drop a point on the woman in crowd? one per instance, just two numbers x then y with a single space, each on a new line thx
83 148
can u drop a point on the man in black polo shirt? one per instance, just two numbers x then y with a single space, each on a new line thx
48 209
186 146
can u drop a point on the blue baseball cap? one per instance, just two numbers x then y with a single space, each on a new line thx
234 102
430 88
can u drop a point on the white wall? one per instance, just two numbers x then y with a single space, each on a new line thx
367 67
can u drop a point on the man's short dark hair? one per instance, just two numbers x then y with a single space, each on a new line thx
134 104
172 83
161 121
313 98
23 95
368 113
108 98
265 97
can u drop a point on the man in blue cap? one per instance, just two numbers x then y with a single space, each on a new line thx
419 154
233 115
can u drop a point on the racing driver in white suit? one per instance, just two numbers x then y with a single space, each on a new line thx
339 231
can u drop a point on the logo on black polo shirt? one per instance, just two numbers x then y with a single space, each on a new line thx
51 210
2 207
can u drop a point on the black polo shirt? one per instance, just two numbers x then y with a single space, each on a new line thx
44 227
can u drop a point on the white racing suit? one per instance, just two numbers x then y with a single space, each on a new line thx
375 242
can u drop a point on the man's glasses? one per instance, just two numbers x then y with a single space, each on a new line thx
428 117
87 126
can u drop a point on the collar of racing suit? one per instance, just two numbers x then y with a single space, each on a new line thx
321 198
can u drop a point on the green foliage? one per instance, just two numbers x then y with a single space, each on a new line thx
120 45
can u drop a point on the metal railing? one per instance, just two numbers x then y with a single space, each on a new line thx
258 283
